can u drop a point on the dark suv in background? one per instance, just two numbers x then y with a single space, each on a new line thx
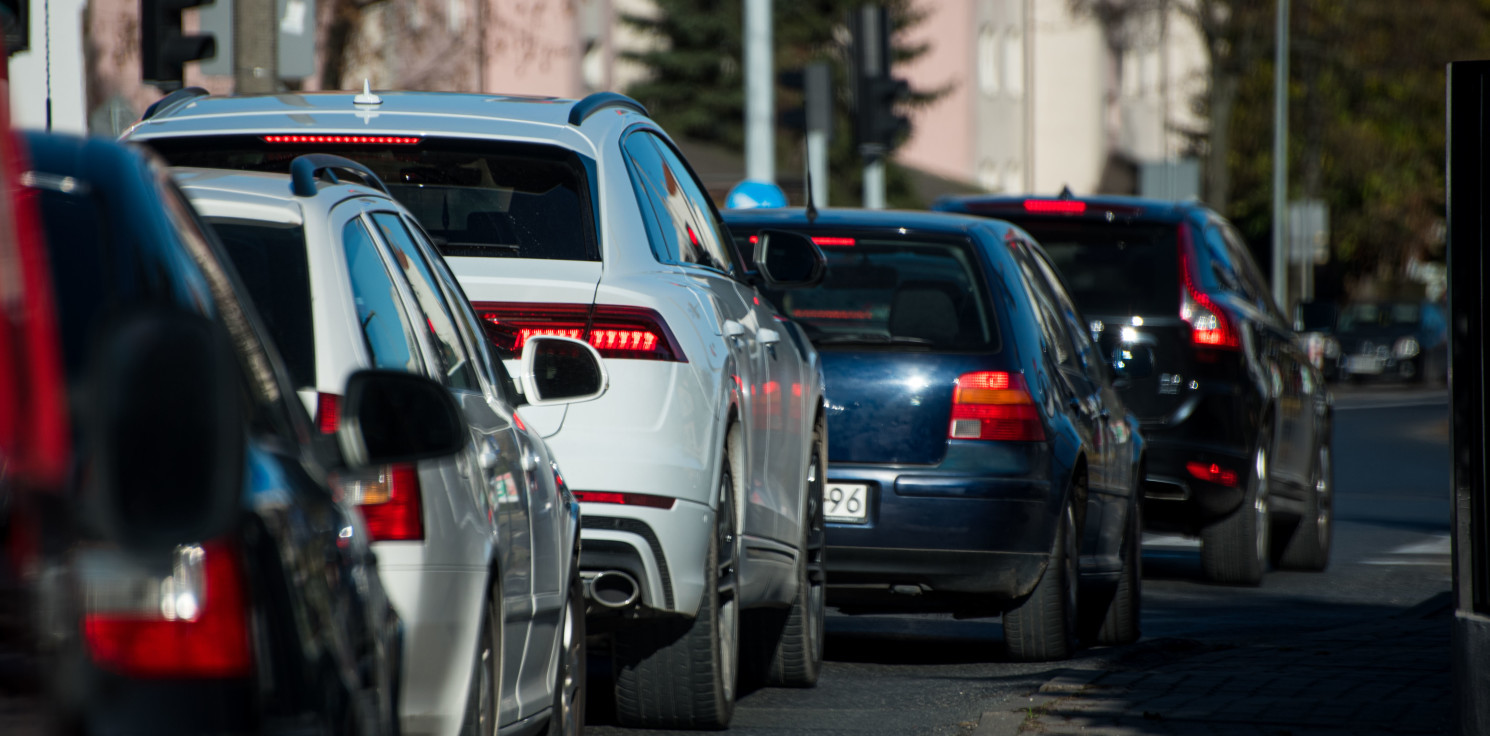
1236 417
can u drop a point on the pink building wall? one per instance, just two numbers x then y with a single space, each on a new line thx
942 135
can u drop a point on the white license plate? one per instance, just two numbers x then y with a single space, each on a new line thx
846 502
1364 364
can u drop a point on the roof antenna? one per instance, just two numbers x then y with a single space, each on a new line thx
367 97
1066 192
811 206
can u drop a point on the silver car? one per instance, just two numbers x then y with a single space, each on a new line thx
479 553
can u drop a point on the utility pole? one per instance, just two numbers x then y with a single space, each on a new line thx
1280 162
255 49
760 103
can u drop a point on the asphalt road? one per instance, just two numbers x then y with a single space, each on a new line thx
901 675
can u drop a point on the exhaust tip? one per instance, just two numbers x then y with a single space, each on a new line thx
613 589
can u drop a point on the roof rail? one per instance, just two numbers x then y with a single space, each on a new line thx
173 99
304 171
600 100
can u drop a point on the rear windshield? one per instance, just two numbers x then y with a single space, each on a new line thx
899 293
1367 316
474 198
1114 269
271 262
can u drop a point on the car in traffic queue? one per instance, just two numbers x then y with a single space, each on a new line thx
1237 418
1402 340
979 459
479 553
699 472
193 570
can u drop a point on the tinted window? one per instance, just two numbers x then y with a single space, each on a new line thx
270 259
1114 269
686 198
645 165
80 272
474 198
455 364
905 293
385 325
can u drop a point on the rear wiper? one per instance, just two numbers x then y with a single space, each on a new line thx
871 340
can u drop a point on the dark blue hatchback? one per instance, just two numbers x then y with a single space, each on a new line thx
973 429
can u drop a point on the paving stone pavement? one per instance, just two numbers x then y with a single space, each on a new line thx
1389 676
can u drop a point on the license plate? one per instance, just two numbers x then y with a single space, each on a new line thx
1364 364
846 502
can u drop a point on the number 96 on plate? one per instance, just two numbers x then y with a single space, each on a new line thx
846 503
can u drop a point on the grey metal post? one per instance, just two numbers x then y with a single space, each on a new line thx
873 53
255 49
874 184
1280 162
760 104
817 89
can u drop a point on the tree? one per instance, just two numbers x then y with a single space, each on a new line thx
697 88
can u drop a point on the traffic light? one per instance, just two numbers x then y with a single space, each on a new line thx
16 24
877 124
815 84
164 49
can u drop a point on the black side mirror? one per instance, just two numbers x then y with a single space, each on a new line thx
1133 361
397 417
788 260
561 370
164 427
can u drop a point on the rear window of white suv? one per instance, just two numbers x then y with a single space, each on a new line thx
474 198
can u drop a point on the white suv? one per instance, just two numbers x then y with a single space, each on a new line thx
700 470
479 553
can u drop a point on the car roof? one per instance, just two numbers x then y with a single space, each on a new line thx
551 119
261 196
1139 208
849 218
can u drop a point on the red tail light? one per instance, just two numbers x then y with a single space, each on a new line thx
391 503
1213 473
636 333
320 140
191 624
328 412
1210 325
1055 206
820 240
994 405
625 499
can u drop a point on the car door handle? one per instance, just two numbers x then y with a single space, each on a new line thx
733 329
768 336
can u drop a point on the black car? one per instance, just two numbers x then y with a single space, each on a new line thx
197 571
1236 416
1405 340
979 460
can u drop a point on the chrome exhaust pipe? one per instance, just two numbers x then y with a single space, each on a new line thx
612 589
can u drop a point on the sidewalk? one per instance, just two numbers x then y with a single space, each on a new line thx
1390 676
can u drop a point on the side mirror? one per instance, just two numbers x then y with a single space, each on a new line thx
397 417
1133 361
788 260
164 426
561 370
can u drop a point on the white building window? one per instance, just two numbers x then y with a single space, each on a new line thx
1013 65
988 61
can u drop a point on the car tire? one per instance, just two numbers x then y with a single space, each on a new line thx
483 702
684 674
1042 627
568 715
1235 550
796 649
1308 546
1120 623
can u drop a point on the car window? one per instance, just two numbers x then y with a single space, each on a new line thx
455 362
475 198
386 327
1114 269
686 198
645 166
1088 355
466 321
924 293
271 261
1047 316
1254 283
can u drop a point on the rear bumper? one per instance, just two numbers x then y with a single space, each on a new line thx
957 527
1175 500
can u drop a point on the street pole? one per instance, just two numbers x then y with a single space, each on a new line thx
874 48
817 89
1280 162
255 53
760 113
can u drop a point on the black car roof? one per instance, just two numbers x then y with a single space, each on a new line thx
1132 208
848 219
